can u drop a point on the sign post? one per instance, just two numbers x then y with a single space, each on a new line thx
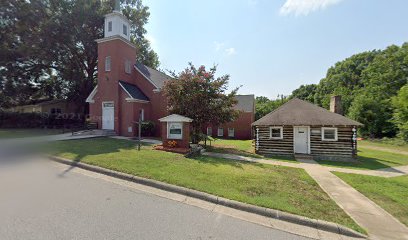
139 132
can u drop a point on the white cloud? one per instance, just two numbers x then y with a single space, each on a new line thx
218 45
230 51
304 7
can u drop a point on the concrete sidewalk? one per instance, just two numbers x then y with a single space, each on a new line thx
378 223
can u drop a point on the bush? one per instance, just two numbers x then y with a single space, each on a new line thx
148 128
38 120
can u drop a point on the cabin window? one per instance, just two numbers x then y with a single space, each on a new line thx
108 63
209 131
110 26
220 132
276 132
128 67
231 132
174 130
125 29
329 134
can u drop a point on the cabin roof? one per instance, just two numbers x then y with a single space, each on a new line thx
297 112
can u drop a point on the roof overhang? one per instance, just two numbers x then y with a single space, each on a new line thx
90 99
131 98
136 100
175 118
115 37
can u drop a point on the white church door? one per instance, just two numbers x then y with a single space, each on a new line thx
108 116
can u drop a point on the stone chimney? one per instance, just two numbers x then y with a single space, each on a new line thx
335 105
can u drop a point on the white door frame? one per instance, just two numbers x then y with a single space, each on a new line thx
308 140
113 113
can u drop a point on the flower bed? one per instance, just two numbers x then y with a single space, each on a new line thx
172 149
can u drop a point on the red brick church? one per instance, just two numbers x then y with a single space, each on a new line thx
128 90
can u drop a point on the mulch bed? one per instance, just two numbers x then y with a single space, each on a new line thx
169 149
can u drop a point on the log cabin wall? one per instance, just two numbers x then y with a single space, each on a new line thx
341 147
275 146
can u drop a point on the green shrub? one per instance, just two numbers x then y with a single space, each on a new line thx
148 128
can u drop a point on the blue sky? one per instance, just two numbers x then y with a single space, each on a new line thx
272 47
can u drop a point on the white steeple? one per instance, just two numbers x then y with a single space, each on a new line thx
116 24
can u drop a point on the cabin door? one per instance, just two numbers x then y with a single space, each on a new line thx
108 115
301 139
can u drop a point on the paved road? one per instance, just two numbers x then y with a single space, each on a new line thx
41 201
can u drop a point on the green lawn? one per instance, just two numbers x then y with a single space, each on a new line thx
241 147
389 193
372 159
397 145
29 132
287 189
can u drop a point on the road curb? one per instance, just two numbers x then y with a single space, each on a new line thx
267 212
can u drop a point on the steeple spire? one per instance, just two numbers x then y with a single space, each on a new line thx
117 6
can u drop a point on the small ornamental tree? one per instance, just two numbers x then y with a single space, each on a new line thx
197 94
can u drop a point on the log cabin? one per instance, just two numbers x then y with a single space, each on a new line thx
300 127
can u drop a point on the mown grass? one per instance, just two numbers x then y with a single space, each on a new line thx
29 132
287 189
389 193
371 159
242 148
392 144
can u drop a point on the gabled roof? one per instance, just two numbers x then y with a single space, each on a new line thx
299 112
157 78
175 118
246 103
133 91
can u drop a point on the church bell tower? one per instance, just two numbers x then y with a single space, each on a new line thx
116 24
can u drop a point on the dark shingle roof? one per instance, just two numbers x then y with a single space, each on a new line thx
134 91
246 103
299 112
156 77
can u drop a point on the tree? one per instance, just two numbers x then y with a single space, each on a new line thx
375 113
264 105
367 82
198 94
48 48
400 103
344 78
305 92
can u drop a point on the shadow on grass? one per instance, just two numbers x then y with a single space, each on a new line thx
89 147
370 163
231 150
229 162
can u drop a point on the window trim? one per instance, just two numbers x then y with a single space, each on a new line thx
209 128
142 116
335 134
108 66
233 132
218 132
281 132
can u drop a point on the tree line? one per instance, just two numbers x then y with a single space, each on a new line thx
374 91
48 48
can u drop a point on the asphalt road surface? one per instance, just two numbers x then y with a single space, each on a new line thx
41 201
